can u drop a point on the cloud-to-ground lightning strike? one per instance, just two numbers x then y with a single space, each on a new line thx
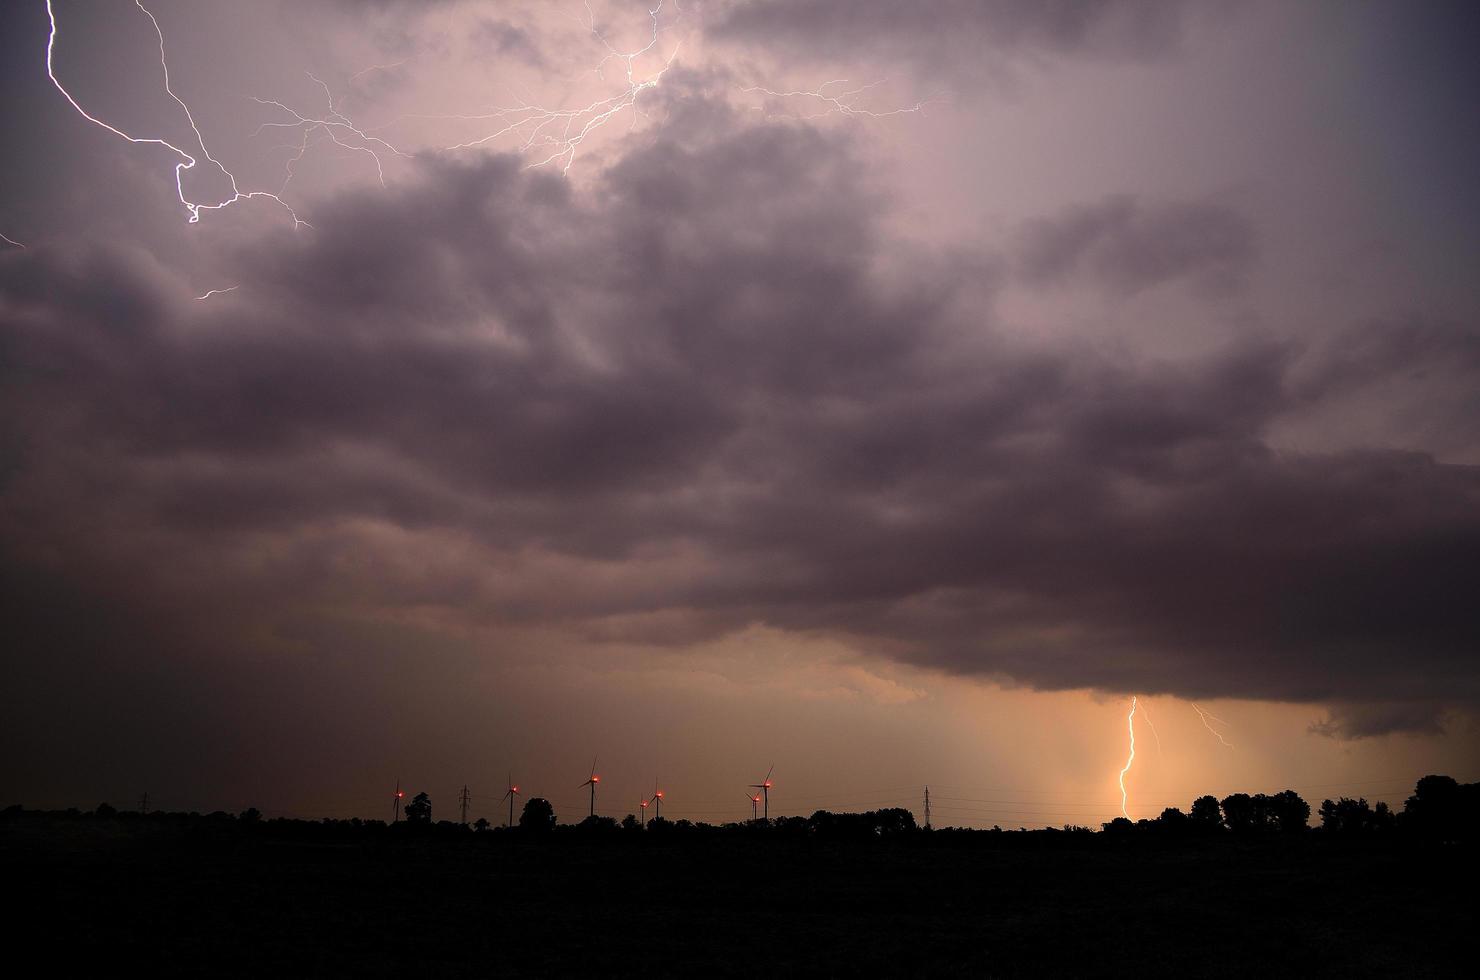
1205 716
217 292
187 160
1130 721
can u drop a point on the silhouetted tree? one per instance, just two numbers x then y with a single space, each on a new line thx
250 815
629 822
1173 821
419 810
1205 814
104 810
1239 814
873 823
1120 825
537 815
1348 816
481 824
1287 812
1443 809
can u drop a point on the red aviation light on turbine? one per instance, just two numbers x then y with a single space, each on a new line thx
659 794
595 779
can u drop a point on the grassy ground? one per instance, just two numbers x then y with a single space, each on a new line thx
172 902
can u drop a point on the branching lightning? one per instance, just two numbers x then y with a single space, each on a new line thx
556 134
1146 710
1130 721
546 135
187 160
334 126
1206 716
839 103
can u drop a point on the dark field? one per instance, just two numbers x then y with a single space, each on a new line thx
134 898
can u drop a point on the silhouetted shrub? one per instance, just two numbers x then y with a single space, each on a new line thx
597 824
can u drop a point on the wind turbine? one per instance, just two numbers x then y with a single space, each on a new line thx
512 792
591 782
644 806
755 801
657 800
396 803
765 787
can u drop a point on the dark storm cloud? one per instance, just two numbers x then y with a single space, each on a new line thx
716 354
1128 246
1353 721
952 38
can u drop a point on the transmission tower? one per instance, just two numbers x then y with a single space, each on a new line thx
144 803
927 807
463 801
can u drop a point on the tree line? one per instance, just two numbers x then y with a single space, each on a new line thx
1440 809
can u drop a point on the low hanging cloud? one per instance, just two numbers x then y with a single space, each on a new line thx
1127 246
706 392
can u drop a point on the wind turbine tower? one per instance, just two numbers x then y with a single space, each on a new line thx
591 782
509 795
765 787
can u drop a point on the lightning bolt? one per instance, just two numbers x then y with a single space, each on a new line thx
1130 721
187 160
217 292
559 133
1205 716
335 126
548 136
365 71
843 103
1146 710
12 241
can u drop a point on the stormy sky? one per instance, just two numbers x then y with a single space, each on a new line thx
885 391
